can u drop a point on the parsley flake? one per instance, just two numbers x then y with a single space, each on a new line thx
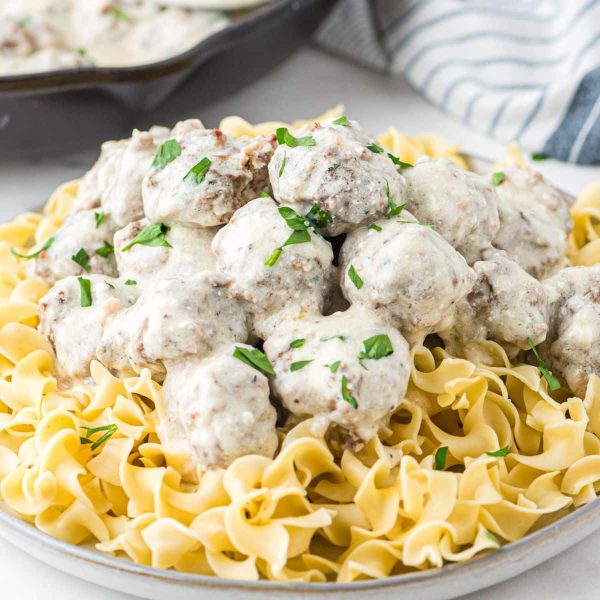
393 209
254 358
167 152
109 430
440 458
355 277
118 14
105 251
35 254
490 536
198 172
375 148
110 285
100 217
297 343
152 235
498 453
81 258
333 367
296 366
346 395
343 121
318 218
284 137
539 156
130 282
273 257
282 166
553 382
85 292
335 166
376 347
399 163
266 195
498 177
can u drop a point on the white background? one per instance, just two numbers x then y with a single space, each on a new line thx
304 86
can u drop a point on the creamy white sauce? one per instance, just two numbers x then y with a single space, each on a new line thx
205 267
46 35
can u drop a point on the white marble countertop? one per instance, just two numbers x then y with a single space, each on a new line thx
303 86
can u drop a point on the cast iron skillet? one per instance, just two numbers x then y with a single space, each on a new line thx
67 109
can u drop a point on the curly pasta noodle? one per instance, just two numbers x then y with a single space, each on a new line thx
516 457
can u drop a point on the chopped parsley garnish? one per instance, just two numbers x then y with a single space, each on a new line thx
375 148
296 366
346 395
333 367
255 359
342 338
130 282
285 137
82 51
342 121
498 177
266 195
100 217
117 13
498 453
318 218
440 458
81 258
553 382
105 251
167 153
490 536
398 162
393 209
335 166
355 277
85 292
273 257
292 218
198 172
109 430
299 226
35 254
152 235
539 156
282 166
297 343
374 227
376 347
110 285
297 237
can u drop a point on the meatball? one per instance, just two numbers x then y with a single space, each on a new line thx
406 272
220 406
459 205
278 280
115 182
97 179
506 305
572 347
349 368
189 251
174 318
211 177
344 172
534 222
74 329
81 245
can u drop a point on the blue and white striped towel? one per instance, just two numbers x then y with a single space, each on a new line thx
518 69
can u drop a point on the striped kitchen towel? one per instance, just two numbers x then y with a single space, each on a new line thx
518 69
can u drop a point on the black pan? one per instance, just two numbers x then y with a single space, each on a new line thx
55 111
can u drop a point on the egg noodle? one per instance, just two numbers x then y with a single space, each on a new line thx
475 455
